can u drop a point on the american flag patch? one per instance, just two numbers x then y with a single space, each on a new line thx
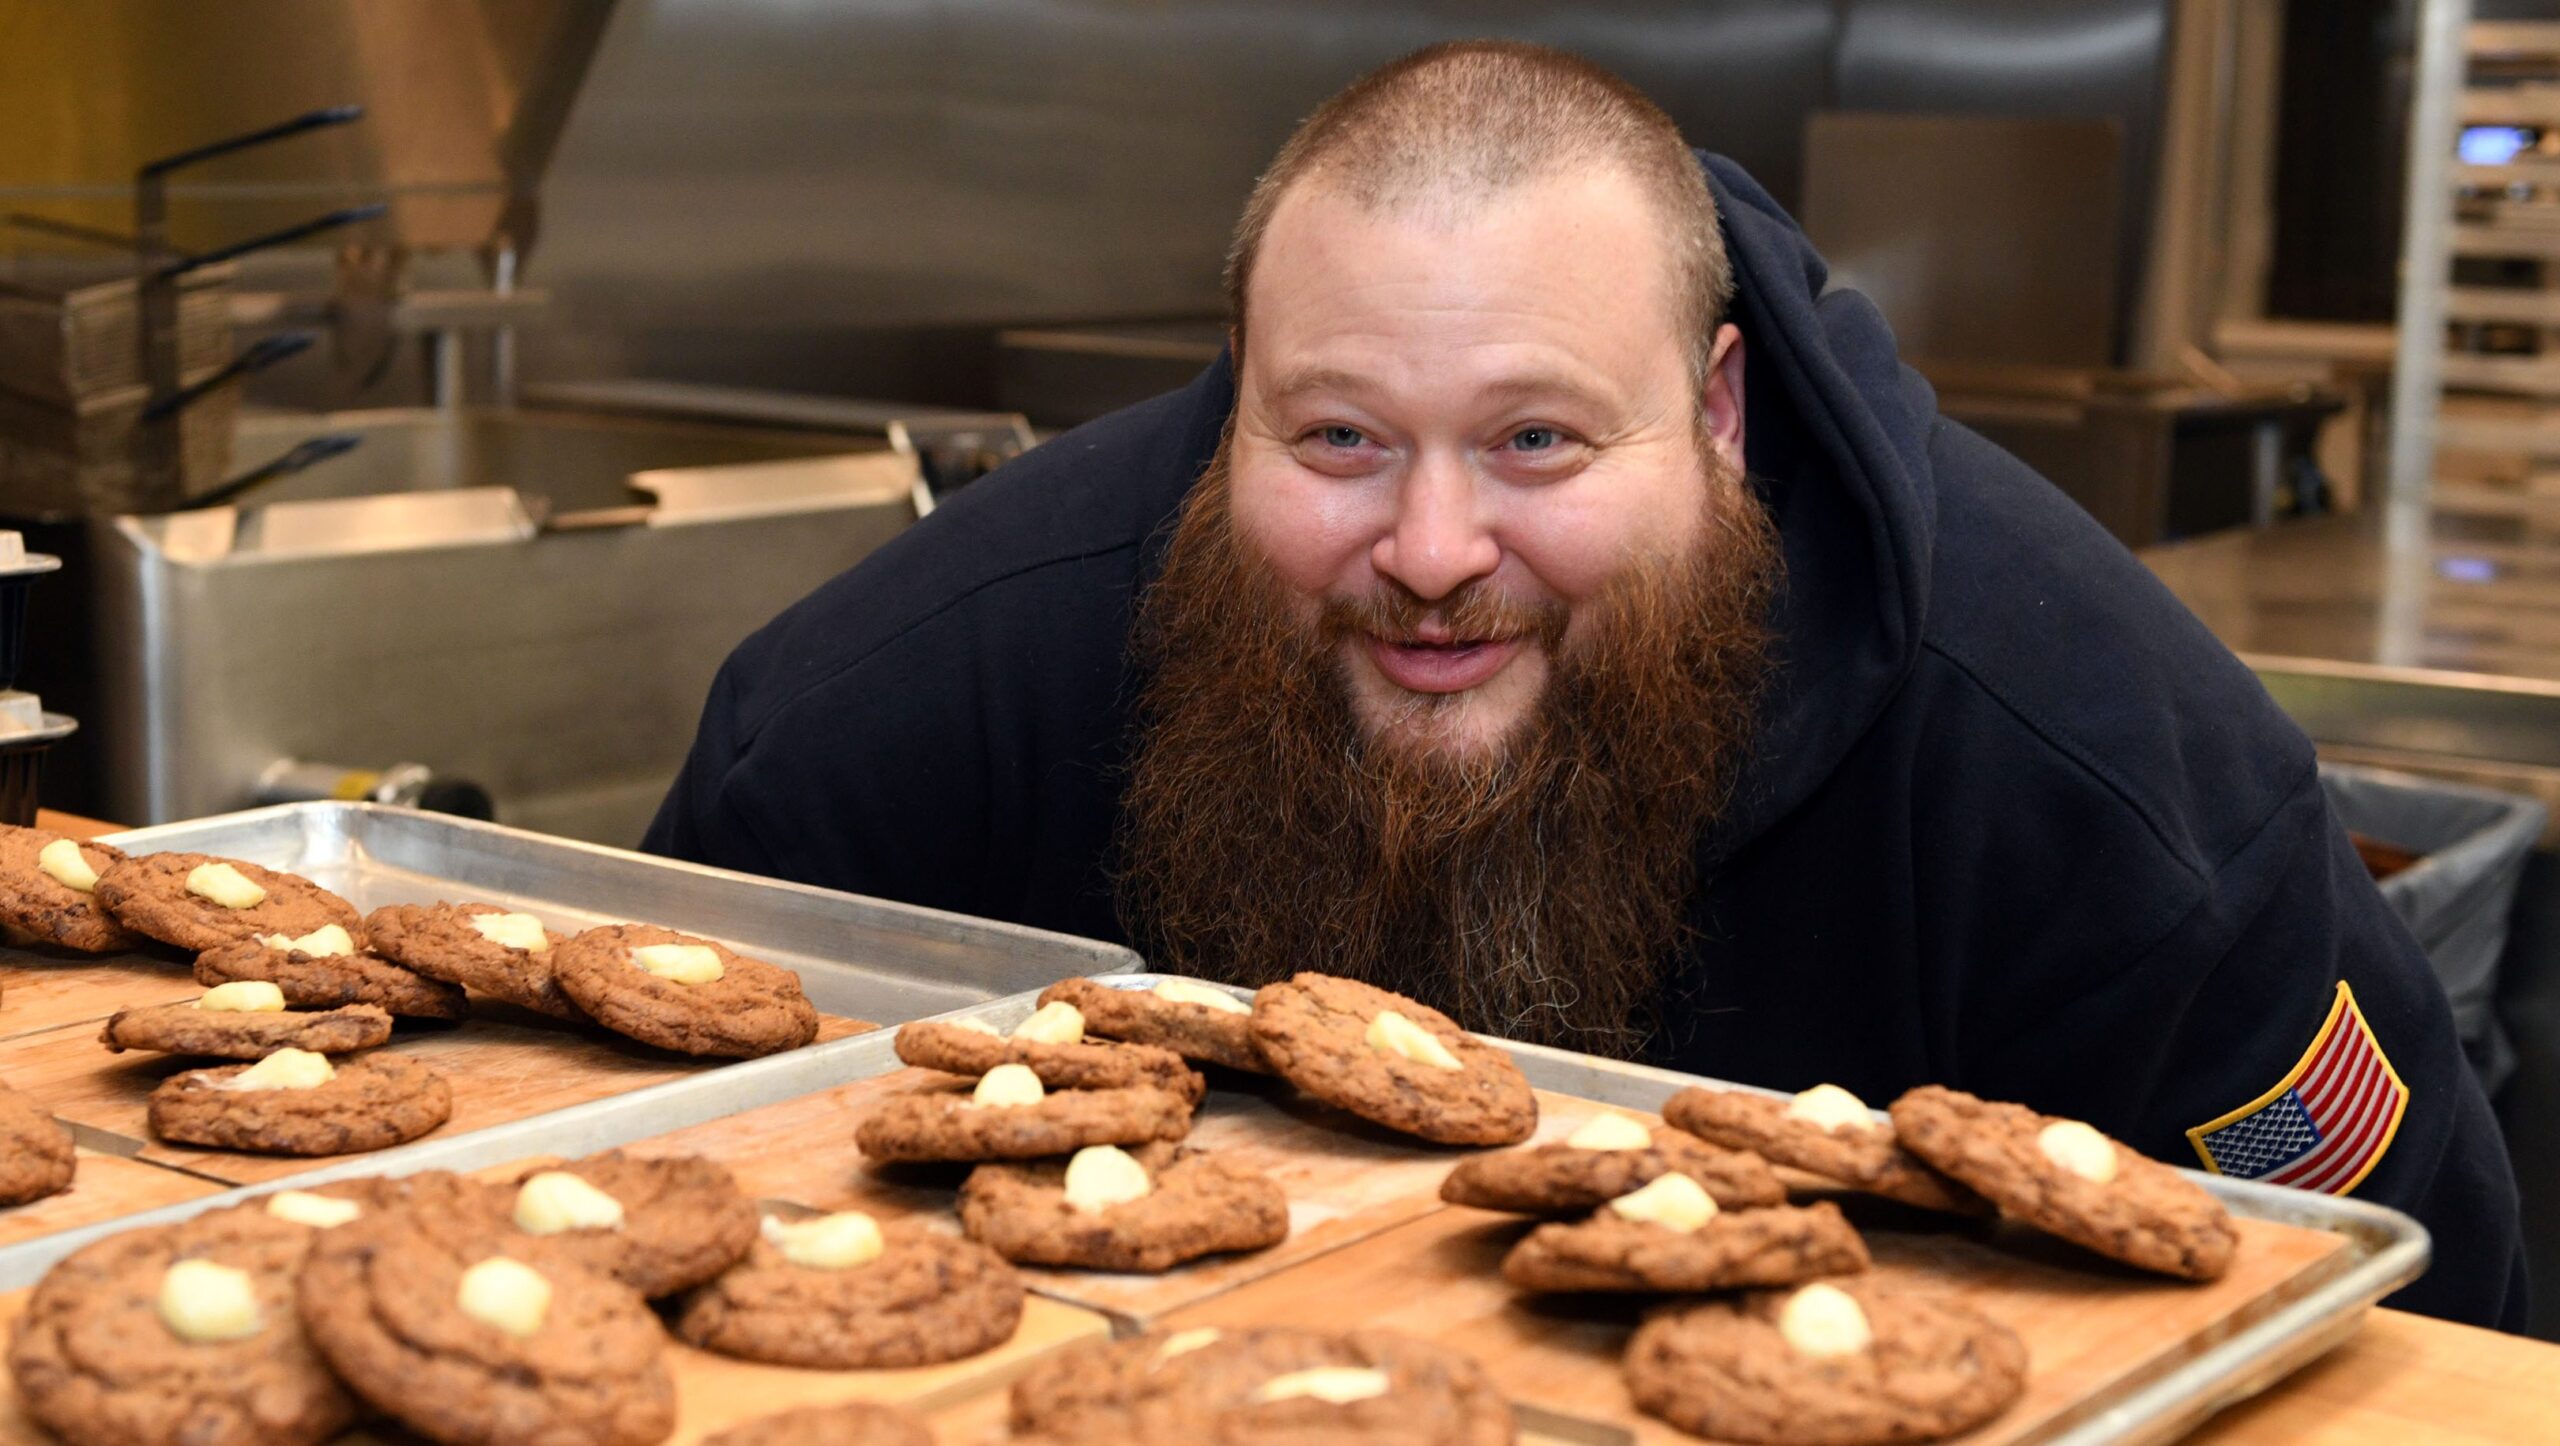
2325 1125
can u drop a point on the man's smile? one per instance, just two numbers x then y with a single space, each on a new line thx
1423 664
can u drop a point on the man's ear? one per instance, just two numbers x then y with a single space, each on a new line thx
1721 404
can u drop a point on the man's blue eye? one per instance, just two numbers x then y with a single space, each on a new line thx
1344 437
1534 439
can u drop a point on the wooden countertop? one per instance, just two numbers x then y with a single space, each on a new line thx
73 824
2400 1378
2405 1378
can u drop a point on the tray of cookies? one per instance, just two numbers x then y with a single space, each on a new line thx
863 957
1323 1211
236 999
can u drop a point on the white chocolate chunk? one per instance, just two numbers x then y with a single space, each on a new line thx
1008 1086
1610 1130
1675 1202
555 1200
203 1302
1831 1107
507 1294
1183 1343
1823 1321
222 884
682 963
1101 1176
321 1212
975 1025
1392 1033
326 942
1184 991
242 996
830 1242
1056 1022
63 863
513 931
2079 1149
286 1069
1339 1385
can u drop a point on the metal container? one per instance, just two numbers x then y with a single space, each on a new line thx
71 328
531 602
84 457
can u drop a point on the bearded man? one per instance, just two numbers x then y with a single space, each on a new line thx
1557 607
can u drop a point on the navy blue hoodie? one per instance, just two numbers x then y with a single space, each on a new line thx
2015 822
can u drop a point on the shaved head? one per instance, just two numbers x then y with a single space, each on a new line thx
1448 128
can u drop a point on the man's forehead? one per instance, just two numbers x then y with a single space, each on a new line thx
1543 281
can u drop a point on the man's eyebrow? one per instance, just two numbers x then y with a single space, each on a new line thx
1523 385
1529 385
1310 379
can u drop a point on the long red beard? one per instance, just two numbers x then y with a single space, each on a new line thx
1534 889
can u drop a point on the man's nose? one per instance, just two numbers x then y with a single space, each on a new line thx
1436 542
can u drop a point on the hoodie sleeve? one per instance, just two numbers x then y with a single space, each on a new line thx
2284 1027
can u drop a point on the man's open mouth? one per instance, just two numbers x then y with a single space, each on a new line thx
1424 665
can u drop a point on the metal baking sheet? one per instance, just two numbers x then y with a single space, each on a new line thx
2244 1354
857 957
863 958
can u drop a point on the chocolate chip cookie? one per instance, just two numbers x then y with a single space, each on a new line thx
232 1034
382 1299
1315 1031
1781 1245
331 981
1864 1154
684 1221
752 1008
1208 1033
36 1154
1080 1065
1197 1204
925 1298
942 1122
348 1200
1561 1179
2145 1214
148 894
1726 1369
46 908
98 1359
1238 1386
852 1423
439 942
372 1102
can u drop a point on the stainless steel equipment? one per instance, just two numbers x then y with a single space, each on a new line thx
2159 1401
465 100
535 602
838 198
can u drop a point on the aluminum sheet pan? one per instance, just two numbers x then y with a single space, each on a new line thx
2242 1356
864 958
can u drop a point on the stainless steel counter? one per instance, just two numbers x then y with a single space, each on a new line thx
2450 651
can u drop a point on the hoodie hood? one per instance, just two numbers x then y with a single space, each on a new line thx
1836 437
